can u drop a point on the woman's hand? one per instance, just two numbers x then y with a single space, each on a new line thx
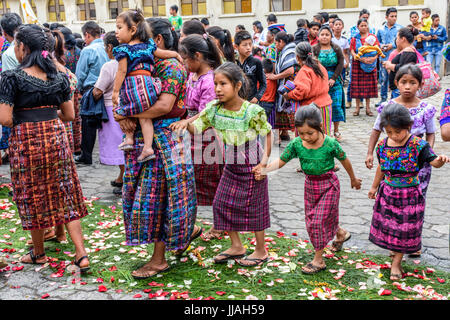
286 96
118 117
356 183
331 82
369 161
179 58
368 60
372 193
127 125
389 65
179 125
258 171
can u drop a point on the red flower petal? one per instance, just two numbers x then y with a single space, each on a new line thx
220 293
440 280
102 289
137 295
100 280
45 296
113 268
147 290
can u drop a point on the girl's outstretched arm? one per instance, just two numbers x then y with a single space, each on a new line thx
355 182
261 172
430 137
440 161
379 176
120 77
374 136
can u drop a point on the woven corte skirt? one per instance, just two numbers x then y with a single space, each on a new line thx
241 202
46 187
363 85
322 208
398 218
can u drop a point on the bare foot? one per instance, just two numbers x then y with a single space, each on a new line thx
212 234
150 269
396 273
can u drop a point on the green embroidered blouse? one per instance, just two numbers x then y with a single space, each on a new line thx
314 161
234 127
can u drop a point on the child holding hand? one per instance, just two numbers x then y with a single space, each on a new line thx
399 206
316 152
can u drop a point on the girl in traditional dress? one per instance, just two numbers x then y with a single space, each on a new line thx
330 55
241 203
363 84
399 207
138 89
39 146
311 84
409 80
201 56
444 119
316 152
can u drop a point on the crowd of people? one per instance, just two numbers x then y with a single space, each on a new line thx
190 114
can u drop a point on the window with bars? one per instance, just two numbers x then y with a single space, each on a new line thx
116 7
86 10
193 7
56 11
390 3
340 4
154 8
285 5
4 7
237 6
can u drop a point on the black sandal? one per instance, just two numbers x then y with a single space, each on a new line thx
228 257
34 258
116 184
77 263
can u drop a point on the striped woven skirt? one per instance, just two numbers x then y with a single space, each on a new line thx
336 93
241 202
326 113
398 218
322 208
284 121
363 85
159 200
46 187
138 93
69 131
207 156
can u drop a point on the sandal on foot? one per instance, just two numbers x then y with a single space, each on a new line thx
299 170
314 269
356 114
34 258
147 158
255 262
126 147
227 257
369 113
194 236
338 136
396 276
77 263
151 275
116 184
337 245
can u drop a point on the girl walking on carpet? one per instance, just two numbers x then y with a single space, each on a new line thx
399 206
241 202
408 81
316 152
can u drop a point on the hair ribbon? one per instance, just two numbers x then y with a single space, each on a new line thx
44 54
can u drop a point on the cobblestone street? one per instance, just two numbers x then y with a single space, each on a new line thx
286 188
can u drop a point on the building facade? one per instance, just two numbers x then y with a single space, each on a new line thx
226 13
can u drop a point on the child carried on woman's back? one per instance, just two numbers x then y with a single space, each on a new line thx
369 50
138 89
316 152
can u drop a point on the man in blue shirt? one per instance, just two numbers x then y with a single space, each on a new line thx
387 36
91 60
435 42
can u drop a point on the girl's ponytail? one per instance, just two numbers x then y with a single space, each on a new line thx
213 55
203 44
225 40
304 52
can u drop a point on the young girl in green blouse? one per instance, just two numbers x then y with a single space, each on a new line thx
316 152
241 202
